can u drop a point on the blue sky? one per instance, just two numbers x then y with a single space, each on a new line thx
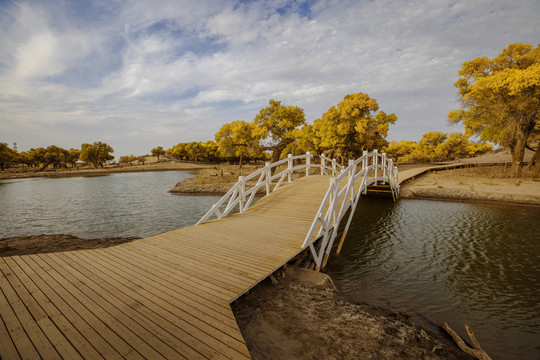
141 74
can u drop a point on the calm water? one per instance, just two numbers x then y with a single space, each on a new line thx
453 262
441 261
129 204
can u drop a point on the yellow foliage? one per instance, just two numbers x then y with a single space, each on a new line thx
354 125
435 146
501 98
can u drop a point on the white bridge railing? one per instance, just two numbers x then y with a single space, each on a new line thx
241 196
343 194
346 187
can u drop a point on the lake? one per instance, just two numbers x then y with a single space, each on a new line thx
123 204
440 261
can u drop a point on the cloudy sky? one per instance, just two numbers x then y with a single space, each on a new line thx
139 74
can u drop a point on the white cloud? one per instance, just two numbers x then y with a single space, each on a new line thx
138 73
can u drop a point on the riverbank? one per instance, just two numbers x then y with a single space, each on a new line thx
150 165
36 244
485 183
214 180
303 316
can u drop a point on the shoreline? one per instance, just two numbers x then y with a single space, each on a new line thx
303 316
480 184
87 172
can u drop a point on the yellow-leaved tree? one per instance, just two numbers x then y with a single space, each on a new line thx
500 99
354 125
276 126
235 139
436 146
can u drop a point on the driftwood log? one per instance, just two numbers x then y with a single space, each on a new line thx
476 351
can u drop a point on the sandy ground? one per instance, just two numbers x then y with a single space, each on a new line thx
218 179
23 245
489 183
150 165
304 317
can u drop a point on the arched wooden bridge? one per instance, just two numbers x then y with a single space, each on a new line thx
168 296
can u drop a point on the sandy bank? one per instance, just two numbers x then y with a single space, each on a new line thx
89 171
474 184
217 180
304 317
36 244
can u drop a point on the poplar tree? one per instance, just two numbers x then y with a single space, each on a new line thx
500 99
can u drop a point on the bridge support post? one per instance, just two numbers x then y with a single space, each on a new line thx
268 177
384 164
376 163
365 161
308 162
323 163
289 166
242 195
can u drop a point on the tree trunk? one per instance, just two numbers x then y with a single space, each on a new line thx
239 167
517 157
535 160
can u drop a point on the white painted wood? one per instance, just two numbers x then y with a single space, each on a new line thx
344 191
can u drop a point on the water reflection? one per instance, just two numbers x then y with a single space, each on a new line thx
449 261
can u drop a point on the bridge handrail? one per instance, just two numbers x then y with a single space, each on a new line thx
328 217
343 193
240 197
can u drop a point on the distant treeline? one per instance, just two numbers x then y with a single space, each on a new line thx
343 132
96 154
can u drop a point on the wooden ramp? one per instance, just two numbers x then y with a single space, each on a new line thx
164 297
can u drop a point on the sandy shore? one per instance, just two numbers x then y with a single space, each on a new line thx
215 180
490 184
303 316
35 244
151 165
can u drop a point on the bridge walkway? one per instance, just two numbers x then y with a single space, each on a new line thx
163 297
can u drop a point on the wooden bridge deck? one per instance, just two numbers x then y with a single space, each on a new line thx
167 296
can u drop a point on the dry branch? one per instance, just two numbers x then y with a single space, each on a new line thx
476 351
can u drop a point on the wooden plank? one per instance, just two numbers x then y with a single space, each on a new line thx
243 262
76 338
128 345
114 314
126 275
140 310
152 278
209 291
62 345
20 322
189 321
8 351
18 336
232 265
58 308
190 267
267 248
